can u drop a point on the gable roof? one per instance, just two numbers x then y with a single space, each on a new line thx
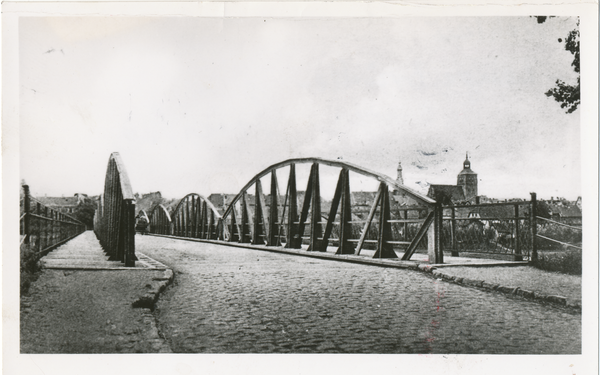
564 210
446 193
58 201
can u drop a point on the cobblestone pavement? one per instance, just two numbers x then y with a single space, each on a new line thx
232 300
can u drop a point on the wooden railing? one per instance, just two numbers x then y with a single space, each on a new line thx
44 228
114 221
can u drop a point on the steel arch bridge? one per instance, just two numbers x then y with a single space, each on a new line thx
294 219
160 220
144 215
194 217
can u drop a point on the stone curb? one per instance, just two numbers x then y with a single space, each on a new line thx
155 287
490 287
148 301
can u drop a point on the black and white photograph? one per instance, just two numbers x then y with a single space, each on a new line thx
224 186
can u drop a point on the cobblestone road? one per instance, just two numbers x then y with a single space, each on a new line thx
231 300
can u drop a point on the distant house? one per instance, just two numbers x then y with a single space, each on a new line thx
562 209
147 201
464 190
447 194
62 204
221 201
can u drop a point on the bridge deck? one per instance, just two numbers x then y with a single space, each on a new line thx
366 256
85 253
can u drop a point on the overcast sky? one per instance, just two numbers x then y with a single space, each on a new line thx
203 104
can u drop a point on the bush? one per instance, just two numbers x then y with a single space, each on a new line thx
560 233
567 261
29 267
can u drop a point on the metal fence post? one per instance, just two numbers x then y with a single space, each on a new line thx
533 225
518 255
26 208
453 233
46 222
439 217
38 210
434 249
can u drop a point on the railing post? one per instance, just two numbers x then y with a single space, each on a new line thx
233 222
438 232
274 239
292 230
518 255
130 258
46 224
259 215
316 229
453 233
26 209
244 237
38 210
384 249
533 225
434 250
405 226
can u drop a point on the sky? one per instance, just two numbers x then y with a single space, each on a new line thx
203 104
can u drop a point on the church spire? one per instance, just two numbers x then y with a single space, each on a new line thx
467 163
467 178
399 178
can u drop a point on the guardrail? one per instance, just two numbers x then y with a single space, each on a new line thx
567 233
490 229
114 220
44 228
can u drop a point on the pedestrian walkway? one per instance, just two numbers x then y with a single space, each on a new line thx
85 253
79 304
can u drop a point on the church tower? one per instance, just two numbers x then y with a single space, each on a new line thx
399 179
468 180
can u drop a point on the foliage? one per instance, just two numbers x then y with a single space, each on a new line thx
568 261
543 210
29 267
564 93
559 233
85 212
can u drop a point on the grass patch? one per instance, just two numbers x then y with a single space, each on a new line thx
29 268
567 261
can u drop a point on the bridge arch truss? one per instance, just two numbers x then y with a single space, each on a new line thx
294 219
194 217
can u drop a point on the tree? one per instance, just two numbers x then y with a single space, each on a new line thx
564 93
85 212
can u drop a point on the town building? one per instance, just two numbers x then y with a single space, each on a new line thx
464 190
63 204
